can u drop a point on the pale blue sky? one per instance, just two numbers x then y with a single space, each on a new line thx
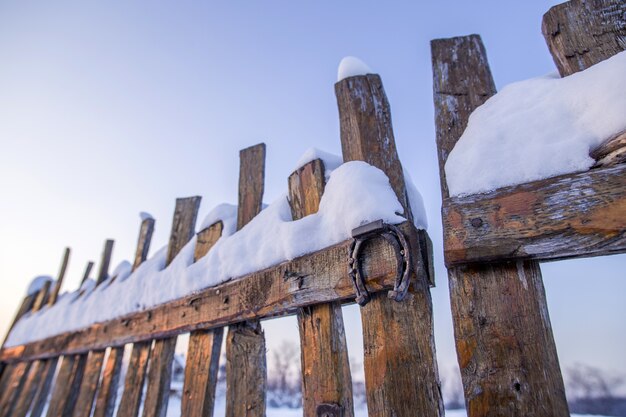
114 108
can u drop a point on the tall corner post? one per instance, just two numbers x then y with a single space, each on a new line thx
504 342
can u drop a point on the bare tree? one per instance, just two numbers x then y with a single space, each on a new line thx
283 381
592 391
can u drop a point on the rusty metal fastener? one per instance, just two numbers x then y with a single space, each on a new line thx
393 236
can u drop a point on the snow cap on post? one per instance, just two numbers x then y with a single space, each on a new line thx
351 66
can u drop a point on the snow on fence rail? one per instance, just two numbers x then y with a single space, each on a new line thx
247 264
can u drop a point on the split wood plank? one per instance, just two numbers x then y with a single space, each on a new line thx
160 371
326 377
203 353
581 33
89 384
57 286
107 392
103 271
570 216
316 278
401 376
505 348
136 373
66 386
246 367
42 296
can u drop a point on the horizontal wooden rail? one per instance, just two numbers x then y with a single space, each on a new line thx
319 277
570 216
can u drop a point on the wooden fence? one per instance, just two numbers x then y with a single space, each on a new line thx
493 242
493 245
399 352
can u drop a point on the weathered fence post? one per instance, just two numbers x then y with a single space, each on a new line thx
326 375
401 374
57 287
136 373
203 354
246 367
162 355
504 341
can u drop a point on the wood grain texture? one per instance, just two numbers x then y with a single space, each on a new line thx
581 33
89 384
54 293
611 152
159 378
160 371
135 378
280 290
107 392
246 367
143 241
325 367
251 183
504 342
66 386
401 375
12 389
105 261
43 387
568 216
203 353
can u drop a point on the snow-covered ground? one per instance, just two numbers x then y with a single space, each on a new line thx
356 193
539 128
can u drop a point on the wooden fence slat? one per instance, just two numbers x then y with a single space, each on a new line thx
316 278
160 372
134 382
89 385
159 378
569 216
88 269
504 341
107 252
42 296
581 33
66 386
107 392
43 388
135 374
397 336
326 374
29 389
246 367
57 286
12 389
203 354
